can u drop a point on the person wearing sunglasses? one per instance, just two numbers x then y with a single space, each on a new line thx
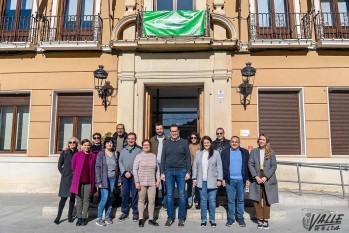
220 143
83 184
64 167
194 146
96 143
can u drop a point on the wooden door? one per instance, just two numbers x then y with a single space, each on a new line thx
148 115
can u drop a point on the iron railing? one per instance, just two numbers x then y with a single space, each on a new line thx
18 29
71 28
140 33
332 26
279 26
328 166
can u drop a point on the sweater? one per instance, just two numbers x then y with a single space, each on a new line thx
145 169
175 155
126 159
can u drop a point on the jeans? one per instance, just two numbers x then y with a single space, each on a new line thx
210 196
190 193
175 176
128 185
163 192
235 189
106 199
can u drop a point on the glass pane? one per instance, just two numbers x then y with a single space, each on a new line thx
6 121
9 13
263 13
87 13
343 12
65 131
185 5
84 128
327 12
175 105
164 5
26 11
72 7
22 128
280 13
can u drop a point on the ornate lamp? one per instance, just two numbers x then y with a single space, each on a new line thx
103 87
245 88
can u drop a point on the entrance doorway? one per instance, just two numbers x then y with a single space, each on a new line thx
180 105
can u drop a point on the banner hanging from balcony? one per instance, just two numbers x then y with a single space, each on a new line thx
174 23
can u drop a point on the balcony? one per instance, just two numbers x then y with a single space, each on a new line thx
71 32
18 33
332 30
277 30
218 32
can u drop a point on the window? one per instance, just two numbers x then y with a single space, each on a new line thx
335 17
170 5
77 20
74 117
279 118
339 121
14 123
15 19
273 18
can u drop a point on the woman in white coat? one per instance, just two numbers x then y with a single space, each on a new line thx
207 176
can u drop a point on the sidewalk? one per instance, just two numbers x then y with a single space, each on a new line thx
36 212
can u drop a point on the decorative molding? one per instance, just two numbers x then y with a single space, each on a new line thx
219 7
130 7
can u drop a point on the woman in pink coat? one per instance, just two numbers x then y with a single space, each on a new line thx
83 184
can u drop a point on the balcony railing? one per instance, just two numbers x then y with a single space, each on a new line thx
71 28
279 26
18 29
332 26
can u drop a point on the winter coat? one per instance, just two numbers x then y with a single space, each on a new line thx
64 167
214 169
271 185
101 169
225 155
77 165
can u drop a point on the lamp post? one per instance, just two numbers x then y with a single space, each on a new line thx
245 88
103 87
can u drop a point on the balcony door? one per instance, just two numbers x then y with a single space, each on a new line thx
77 20
173 5
273 19
15 20
335 18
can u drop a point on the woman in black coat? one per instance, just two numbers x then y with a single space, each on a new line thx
64 167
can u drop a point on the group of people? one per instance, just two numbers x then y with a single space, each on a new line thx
161 164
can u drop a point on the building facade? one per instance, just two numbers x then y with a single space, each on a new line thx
49 49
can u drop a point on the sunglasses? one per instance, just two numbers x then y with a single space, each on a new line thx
192 137
219 133
96 137
73 142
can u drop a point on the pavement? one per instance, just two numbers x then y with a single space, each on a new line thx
36 212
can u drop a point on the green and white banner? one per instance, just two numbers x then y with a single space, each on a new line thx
174 23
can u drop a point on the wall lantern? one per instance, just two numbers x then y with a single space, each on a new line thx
245 88
103 87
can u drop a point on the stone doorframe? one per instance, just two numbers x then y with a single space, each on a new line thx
212 70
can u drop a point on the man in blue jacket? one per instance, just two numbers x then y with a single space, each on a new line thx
235 178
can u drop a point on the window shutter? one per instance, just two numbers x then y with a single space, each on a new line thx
339 121
75 104
14 99
279 119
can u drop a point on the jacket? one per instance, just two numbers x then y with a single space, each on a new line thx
155 144
225 155
64 167
115 140
271 185
214 169
77 165
101 169
221 145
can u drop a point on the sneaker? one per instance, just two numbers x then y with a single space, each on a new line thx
203 224
135 217
108 221
230 223
241 222
213 223
197 206
141 223
123 217
100 222
181 223
169 222
265 224
260 224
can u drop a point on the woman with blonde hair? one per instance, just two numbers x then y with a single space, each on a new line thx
263 188
64 167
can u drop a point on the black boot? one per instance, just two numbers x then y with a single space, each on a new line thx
78 223
70 212
58 218
84 222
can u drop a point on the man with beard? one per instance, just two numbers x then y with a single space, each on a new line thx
119 138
